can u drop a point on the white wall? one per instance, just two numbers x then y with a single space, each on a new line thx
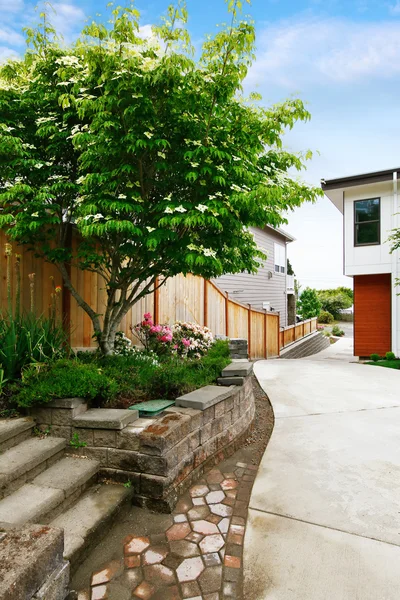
364 260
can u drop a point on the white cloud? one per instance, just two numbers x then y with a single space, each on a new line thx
297 52
11 6
6 53
9 36
68 20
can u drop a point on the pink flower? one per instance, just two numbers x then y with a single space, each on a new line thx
185 342
155 329
148 323
147 316
176 347
165 338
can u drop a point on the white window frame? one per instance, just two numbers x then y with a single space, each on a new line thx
279 259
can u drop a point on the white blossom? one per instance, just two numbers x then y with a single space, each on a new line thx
168 210
180 209
201 207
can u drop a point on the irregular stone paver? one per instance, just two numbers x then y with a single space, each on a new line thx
198 556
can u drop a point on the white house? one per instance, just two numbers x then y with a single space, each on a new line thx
370 206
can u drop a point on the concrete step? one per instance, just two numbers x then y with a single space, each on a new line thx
49 493
14 431
90 518
23 462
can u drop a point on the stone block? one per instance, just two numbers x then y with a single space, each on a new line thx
105 418
153 486
230 381
235 414
204 397
128 438
42 416
195 415
105 437
70 403
182 450
99 454
28 557
62 431
56 586
208 415
135 461
205 433
230 402
194 440
237 369
227 420
165 433
61 416
217 426
219 409
84 435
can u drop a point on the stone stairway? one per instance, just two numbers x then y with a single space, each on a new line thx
40 483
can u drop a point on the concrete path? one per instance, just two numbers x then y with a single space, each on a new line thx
324 518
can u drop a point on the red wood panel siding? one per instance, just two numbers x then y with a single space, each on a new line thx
372 314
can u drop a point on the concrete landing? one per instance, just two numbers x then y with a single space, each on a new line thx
324 519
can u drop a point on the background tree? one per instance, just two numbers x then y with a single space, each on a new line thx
289 268
335 300
309 305
151 160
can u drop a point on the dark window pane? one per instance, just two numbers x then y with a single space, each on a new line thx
282 269
367 210
367 233
277 268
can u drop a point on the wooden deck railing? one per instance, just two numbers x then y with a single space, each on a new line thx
291 334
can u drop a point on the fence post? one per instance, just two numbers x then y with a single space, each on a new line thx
156 301
302 329
227 314
249 331
205 305
265 334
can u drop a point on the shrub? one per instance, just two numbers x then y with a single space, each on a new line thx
65 378
337 331
375 357
327 333
390 356
325 317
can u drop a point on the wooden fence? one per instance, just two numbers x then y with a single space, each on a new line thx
182 298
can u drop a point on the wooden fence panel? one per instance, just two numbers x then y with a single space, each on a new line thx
216 310
257 346
237 320
272 335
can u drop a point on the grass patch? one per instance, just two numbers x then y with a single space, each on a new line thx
389 364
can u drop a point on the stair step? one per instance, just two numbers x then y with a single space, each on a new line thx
14 431
47 495
105 418
89 519
28 459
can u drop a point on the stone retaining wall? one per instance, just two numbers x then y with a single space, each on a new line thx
162 456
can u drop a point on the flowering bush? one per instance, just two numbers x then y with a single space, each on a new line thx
183 339
191 340
123 347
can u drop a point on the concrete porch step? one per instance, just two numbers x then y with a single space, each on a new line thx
90 518
26 460
14 431
49 493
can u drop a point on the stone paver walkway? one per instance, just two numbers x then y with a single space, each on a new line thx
198 556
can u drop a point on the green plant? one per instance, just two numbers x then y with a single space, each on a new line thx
64 379
374 357
334 302
3 381
128 484
325 317
153 156
327 333
309 305
336 331
75 441
42 432
390 356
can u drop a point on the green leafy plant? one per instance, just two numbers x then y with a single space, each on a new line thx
75 442
64 379
128 484
374 357
390 356
336 331
309 305
325 317
327 333
42 432
154 159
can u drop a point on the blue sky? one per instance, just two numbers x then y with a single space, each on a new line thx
341 57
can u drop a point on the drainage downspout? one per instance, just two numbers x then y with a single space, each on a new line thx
395 273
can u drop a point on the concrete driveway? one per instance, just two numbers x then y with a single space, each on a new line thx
324 518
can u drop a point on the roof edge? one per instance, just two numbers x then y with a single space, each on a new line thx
361 179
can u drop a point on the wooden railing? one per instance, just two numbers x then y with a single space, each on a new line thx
291 334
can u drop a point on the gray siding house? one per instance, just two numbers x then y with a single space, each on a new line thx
271 287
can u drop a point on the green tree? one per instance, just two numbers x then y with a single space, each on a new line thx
289 268
335 300
153 159
309 304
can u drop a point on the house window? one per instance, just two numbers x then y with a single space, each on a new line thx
279 258
367 218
